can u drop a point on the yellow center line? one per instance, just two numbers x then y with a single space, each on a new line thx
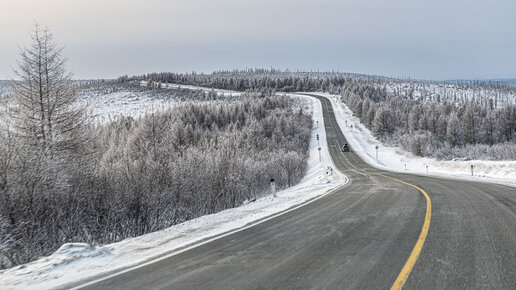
414 255
411 261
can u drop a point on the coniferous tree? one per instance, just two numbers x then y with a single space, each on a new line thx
46 116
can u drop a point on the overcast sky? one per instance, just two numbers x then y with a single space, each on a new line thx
437 39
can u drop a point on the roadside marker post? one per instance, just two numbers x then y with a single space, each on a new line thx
319 153
273 187
376 147
318 140
471 170
427 169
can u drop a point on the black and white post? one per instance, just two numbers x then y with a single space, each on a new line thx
318 140
319 149
273 187
376 147
472 170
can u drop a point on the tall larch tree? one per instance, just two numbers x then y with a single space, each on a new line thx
46 115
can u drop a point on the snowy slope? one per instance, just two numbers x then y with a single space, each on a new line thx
105 107
194 88
105 103
79 261
394 158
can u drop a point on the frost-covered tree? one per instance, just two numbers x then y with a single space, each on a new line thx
383 122
454 130
44 96
414 116
469 124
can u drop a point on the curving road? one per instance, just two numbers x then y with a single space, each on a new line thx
368 234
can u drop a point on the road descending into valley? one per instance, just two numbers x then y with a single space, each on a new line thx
380 230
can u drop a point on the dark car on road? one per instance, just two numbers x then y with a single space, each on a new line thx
345 148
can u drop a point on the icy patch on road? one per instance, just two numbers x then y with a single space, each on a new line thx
74 262
396 159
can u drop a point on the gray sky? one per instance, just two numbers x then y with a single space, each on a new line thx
437 39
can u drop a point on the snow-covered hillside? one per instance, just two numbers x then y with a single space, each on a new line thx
107 101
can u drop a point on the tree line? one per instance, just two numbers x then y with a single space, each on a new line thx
471 129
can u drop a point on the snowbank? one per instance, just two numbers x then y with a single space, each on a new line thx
73 262
396 159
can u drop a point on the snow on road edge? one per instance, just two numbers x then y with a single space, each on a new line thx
78 261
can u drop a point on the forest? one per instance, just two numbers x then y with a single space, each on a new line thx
461 129
67 178
135 176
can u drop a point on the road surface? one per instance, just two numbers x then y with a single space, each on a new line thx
381 230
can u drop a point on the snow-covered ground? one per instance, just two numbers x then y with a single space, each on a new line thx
108 106
73 262
104 104
394 158
194 88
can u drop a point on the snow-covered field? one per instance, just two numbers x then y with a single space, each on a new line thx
80 261
194 88
105 104
394 158
108 106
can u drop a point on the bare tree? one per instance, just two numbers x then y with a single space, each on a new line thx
44 97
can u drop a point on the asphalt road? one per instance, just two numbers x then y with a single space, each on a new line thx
360 236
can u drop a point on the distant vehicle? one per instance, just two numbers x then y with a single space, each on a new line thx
345 148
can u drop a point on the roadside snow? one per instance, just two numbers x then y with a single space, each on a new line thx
75 261
396 159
